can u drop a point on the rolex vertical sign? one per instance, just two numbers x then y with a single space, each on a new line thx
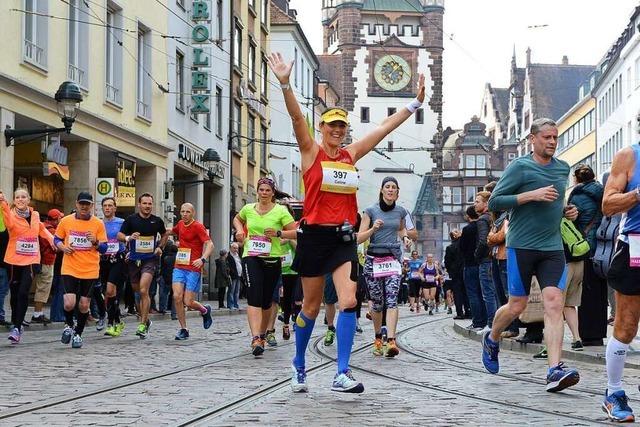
200 39
126 182
105 187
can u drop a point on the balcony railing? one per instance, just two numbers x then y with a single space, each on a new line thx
34 53
113 93
144 110
77 75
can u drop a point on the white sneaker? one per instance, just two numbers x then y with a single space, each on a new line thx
346 383
76 342
298 380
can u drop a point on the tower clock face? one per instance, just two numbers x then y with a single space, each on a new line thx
392 73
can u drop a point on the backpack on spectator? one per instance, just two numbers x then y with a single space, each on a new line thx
576 246
606 238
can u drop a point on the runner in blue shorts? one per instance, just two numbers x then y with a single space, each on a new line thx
195 247
533 188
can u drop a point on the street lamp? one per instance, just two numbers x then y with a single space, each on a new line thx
209 158
68 98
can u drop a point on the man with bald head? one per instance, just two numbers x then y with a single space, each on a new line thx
195 247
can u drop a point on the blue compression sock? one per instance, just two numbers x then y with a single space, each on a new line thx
345 331
304 328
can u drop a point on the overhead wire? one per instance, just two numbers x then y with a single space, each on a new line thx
126 31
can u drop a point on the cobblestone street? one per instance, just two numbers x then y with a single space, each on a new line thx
211 379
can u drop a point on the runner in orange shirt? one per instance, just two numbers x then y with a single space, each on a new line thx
82 237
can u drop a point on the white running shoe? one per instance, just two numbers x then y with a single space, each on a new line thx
346 383
298 380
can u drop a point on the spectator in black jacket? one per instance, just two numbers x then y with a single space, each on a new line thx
454 264
483 255
235 272
222 278
592 311
166 270
468 243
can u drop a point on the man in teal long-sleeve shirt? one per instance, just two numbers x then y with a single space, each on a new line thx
533 188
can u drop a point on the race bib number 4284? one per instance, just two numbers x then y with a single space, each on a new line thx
27 246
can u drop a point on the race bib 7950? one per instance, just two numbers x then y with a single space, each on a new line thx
259 246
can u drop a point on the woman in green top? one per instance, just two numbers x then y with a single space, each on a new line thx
259 228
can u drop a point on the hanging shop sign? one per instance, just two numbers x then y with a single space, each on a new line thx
55 158
125 182
200 67
194 158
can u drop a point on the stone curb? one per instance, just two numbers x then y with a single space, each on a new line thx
597 357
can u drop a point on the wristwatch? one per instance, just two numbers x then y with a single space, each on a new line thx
279 233
638 193
203 260
285 86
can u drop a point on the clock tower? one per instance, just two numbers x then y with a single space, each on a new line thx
377 49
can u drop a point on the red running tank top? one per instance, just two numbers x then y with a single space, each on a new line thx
330 186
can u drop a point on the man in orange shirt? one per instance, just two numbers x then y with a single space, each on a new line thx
82 238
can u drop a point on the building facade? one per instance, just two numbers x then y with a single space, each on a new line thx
198 111
288 38
549 90
617 98
577 135
249 99
380 49
470 162
111 50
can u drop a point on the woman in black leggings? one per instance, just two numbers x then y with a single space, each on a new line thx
23 253
262 255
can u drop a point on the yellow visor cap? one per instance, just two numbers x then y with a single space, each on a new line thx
334 115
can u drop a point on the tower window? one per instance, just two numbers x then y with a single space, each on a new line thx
390 146
364 114
419 116
391 111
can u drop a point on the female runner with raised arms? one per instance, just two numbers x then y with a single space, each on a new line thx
326 237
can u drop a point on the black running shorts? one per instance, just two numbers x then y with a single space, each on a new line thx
621 276
80 287
321 250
